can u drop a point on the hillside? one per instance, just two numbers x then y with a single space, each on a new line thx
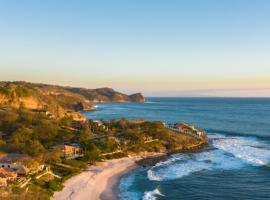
58 99
107 95
66 147
62 146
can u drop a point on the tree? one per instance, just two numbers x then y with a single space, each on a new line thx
35 148
84 134
19 139
92 156
53 156
65 135
91 152
66 121
22 141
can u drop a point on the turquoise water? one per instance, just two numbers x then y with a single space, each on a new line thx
235 165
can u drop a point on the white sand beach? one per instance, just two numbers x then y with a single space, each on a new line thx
96 183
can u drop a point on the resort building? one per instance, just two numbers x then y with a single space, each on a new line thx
22 164
99 124
15 162
70 151
182 127
188 129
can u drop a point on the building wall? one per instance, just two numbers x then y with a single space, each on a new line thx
13 166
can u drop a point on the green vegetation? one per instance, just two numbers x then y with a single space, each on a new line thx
35 134
27 131
37 118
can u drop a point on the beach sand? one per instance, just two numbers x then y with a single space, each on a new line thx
98 182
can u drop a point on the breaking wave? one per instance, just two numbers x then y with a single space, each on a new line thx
227 153
152 195
230 153
247 150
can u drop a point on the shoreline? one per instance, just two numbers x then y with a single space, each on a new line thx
111 190
98 182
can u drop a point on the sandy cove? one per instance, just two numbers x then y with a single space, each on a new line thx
97 183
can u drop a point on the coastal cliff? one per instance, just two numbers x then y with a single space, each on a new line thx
138 97
59 100
107 95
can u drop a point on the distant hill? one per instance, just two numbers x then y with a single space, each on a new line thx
107 95
58 99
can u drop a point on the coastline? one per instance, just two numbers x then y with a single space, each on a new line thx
98 182
111 190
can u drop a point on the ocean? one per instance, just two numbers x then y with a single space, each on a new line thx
235 164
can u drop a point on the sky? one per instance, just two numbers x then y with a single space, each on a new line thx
157 47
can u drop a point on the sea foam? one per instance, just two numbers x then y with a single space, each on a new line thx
152 195
247 150
230 153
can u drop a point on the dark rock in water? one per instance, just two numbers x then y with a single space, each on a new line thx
150 161
81 106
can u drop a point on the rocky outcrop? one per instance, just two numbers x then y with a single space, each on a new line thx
80 106
138 97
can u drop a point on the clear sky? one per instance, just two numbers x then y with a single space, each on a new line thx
158 47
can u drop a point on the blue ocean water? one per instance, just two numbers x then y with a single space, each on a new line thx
235 165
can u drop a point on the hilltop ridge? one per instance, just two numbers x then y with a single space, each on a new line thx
59 99
107 95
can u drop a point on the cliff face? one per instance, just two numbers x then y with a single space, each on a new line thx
41 97
57 99
107 95
138 97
